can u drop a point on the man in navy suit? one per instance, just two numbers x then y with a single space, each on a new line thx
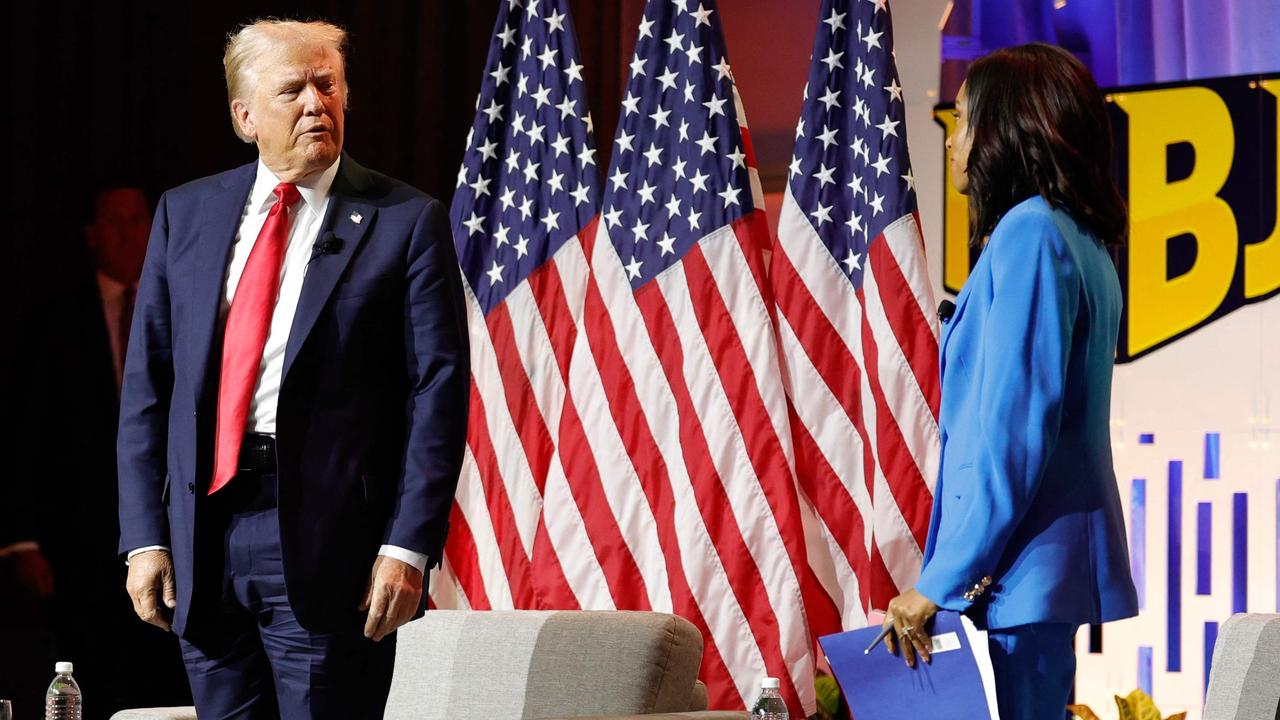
294 402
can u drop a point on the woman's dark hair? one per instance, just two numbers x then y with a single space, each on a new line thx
1040 127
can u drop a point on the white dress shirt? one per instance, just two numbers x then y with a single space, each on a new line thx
304 230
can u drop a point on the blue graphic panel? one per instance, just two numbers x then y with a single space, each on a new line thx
1138 538
1204 548
1173 661
1239 552
1210 641
1147 439
1144 669
1212 452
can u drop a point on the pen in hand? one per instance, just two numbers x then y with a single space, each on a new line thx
884 633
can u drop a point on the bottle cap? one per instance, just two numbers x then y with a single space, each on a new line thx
63 667
769 683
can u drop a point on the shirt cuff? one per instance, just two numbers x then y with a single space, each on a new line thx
24 546
141 550
416 559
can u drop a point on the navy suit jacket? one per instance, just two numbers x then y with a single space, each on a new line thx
1026 494
372 408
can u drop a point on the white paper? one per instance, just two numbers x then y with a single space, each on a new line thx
982 655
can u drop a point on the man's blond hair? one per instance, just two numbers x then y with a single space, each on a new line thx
251 41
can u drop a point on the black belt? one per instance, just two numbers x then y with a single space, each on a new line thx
254 485
257 453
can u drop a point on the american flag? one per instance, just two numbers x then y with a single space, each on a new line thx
856 323
629 445
527 193
691 406
663 418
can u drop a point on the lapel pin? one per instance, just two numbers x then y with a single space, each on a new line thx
356 217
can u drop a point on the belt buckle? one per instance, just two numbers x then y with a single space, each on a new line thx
256 452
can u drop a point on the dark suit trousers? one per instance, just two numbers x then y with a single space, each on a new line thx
251 658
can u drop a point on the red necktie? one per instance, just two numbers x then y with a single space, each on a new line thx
248 321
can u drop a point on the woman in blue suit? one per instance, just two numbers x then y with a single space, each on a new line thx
1027 536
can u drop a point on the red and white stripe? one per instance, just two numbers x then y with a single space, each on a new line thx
861 372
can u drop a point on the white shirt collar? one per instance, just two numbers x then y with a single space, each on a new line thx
313 188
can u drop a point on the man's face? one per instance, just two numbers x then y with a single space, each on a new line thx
118 234
296 110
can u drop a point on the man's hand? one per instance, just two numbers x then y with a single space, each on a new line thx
909 613
32 573
392 596
151 583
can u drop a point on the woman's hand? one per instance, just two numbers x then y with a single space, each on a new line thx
909 613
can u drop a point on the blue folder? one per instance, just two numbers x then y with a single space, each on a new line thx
880 686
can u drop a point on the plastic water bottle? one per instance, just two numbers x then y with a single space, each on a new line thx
769 706
63 701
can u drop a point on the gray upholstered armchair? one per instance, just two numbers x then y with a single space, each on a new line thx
1244 683
495 665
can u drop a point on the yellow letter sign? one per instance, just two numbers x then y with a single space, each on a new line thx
1161 307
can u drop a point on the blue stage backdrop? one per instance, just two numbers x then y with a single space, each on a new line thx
1124 42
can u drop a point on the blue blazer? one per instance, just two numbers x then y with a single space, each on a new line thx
1026 495
373 401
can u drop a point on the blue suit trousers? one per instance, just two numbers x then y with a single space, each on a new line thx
251 658
1035 669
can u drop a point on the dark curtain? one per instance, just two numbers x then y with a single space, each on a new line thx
104 92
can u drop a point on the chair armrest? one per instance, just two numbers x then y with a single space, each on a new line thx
157 713
698 715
